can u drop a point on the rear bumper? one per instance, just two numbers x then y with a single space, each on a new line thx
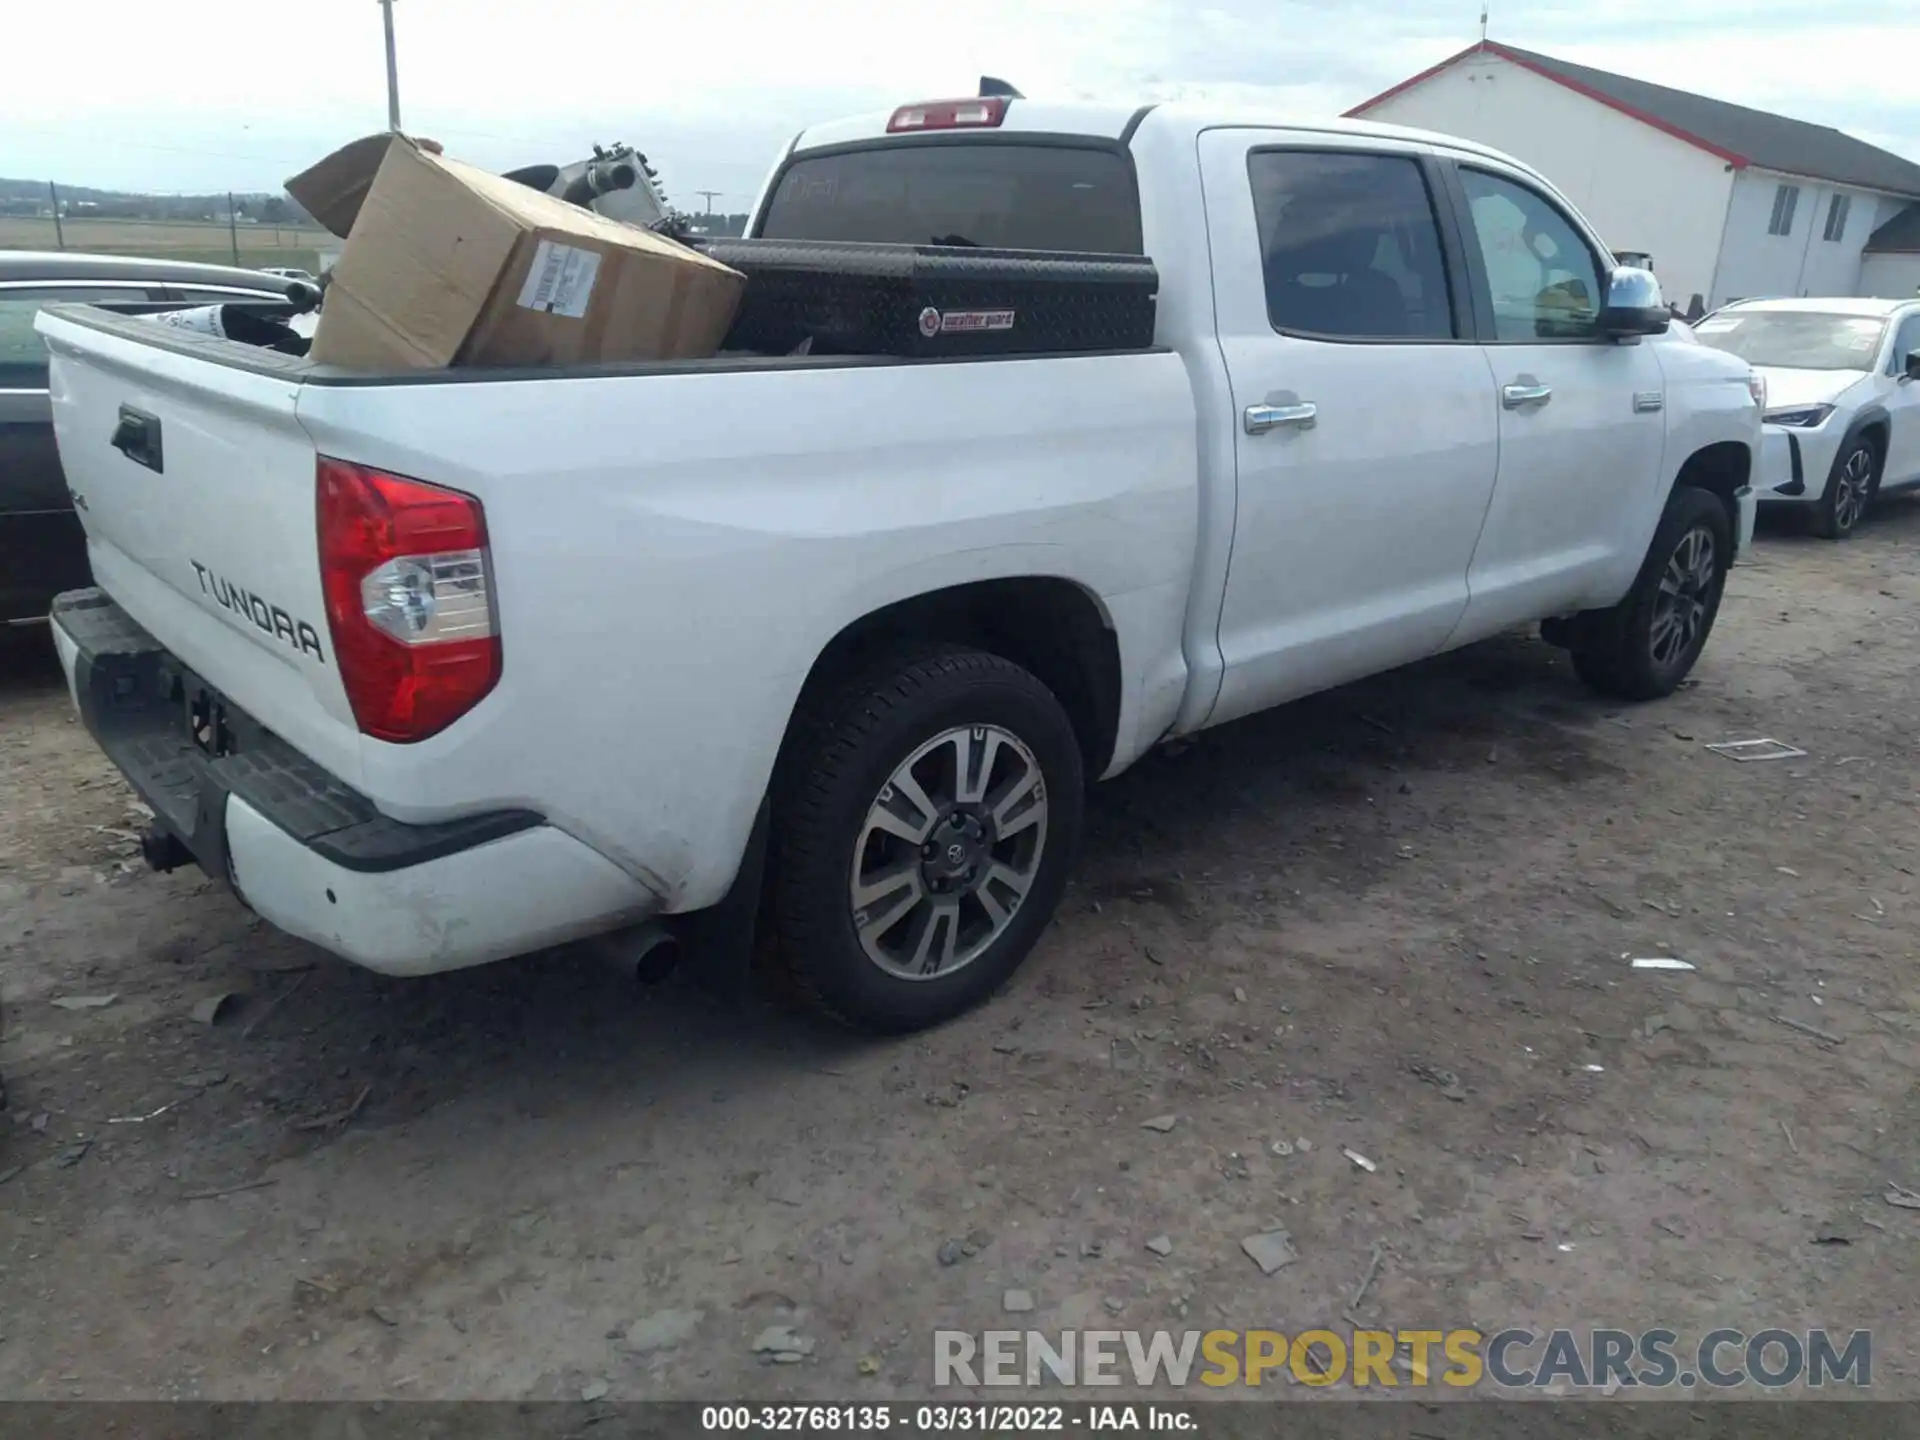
305 850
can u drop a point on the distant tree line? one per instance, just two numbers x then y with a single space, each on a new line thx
32 197
82 202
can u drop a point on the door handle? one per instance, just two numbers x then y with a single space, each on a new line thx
137 436
1262 418
1514 396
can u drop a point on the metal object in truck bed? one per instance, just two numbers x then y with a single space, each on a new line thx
616 182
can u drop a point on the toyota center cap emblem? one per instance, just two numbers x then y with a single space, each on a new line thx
929 322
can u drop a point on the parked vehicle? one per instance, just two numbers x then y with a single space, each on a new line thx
42 548
1843 408
446 666
289 272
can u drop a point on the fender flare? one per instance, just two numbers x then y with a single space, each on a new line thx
1869 415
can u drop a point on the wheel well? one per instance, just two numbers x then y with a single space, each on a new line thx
1720 468
1875 431
1050 627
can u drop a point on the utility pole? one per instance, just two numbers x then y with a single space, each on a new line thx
393 71
59 235
233 229
1483 24
711 196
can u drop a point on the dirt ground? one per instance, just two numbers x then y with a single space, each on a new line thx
1392 919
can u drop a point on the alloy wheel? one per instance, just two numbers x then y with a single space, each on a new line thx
1854 485
947 852
1686 591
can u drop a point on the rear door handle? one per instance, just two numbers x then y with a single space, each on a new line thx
1262 418
137 437
1514 396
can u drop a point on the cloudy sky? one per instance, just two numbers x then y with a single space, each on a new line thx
243 93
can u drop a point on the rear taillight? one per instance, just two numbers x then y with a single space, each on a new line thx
404 568
949 114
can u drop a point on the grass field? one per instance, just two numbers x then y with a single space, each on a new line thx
207 242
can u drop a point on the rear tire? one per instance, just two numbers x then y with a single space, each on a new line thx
1642 648
926 819
1850 490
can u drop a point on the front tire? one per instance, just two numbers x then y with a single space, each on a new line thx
926 820
1644 647
1850 489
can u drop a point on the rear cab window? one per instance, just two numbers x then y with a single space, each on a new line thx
1024 195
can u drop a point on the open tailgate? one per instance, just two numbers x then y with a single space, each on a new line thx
196 486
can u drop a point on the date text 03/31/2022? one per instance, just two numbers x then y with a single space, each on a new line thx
915 1419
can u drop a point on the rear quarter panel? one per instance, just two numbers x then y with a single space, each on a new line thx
672 553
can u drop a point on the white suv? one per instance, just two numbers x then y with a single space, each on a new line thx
1843 402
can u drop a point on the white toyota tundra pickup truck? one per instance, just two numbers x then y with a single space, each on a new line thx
820 652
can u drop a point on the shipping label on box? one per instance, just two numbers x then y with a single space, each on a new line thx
561 280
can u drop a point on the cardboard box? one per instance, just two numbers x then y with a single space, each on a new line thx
446 264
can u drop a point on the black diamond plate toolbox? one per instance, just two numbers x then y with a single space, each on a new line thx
933 301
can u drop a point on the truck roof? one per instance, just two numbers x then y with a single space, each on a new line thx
1177 119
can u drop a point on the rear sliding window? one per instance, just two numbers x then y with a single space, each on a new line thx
1007 197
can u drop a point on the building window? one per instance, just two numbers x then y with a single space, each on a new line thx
1784 201
1837 217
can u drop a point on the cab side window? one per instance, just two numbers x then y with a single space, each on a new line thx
23 356
1906 341
23 359
1545 279
1349 246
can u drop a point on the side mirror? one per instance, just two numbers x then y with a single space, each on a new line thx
1634 305
1913 365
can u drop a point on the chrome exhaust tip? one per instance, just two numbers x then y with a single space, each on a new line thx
645 954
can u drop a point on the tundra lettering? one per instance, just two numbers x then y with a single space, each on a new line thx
298 634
